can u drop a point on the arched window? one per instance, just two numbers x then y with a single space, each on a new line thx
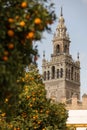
69 74
57 73
66 73
48 75
61 72
44 75
75 76
53 72
57 49
72 73
65 48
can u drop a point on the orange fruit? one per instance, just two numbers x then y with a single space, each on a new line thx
17 17
30 105
28 97
18 128
37 21
27 16
6 53
30 35
3 114
10 45
5 58
10 33
24 4
10 20
6 100
22 23
15 128
39 122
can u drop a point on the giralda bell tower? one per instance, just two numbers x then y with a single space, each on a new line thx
61 74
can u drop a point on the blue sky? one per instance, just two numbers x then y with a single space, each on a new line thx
75 15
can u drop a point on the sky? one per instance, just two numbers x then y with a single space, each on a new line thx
75 15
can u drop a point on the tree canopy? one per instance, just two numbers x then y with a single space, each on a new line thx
34 111
22 22
23 102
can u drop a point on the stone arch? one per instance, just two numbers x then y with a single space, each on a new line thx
71 73
48 75
75 76
44 75
58 49
65 48
53 72
66 73
61 72
57 73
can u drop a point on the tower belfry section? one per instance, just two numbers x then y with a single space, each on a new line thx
61 74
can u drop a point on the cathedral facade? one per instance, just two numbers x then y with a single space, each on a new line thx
61 74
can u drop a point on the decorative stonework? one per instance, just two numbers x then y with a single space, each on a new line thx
61 74
74 103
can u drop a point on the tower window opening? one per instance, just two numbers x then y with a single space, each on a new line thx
75 76
72 94
72 73
65 49
69 74
44 75
61 72
58 49
57 73
53 72
66 73
48 75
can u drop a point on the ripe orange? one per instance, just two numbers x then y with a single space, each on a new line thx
37 21
17 17
30 105
30 35
5 58
18 128
22 23
24 4
10 20
10 45
6 100
39 122
10 33
6 53
28 97
15 128
3 114
27 16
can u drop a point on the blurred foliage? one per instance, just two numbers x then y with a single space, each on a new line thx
34 111
23 103
22 22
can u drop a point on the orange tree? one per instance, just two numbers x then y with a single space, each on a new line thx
34 111
21 23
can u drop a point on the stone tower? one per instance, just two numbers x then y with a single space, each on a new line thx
61 74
